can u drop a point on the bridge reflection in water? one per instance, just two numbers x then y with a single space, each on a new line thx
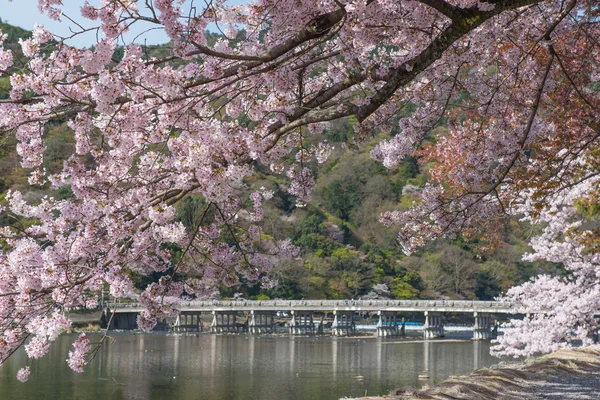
241 367
310 316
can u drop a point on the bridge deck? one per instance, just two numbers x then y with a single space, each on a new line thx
460 306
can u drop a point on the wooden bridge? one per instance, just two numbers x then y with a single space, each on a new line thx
260 315
459 306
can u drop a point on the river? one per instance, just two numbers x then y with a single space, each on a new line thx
241 367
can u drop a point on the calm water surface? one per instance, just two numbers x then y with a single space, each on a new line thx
232 367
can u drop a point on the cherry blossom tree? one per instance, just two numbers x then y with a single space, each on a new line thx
516 81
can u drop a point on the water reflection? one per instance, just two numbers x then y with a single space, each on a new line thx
426 350
476 354
232 367
379 357
334 356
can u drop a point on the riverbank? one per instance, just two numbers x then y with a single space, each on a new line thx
565 374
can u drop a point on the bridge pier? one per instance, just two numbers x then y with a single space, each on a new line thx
482 327
188 321
261 322
388 324
105 319
321 326
224 321
120 320
343 323
302 323
434 327
225 315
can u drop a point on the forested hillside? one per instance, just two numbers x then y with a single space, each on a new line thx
345 251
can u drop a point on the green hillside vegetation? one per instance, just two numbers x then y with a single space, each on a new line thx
352 191
345 250
13 33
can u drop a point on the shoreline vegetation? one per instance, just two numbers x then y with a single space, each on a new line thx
565 374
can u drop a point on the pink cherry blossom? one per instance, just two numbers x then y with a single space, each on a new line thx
511 81
81 347
23 374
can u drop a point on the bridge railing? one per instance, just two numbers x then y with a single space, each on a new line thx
333 304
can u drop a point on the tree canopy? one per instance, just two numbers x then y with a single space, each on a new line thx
514 81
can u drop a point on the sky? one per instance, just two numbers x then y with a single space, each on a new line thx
25 13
